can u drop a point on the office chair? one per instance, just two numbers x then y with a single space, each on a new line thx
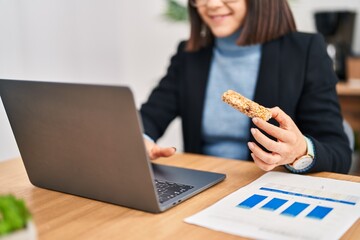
350 134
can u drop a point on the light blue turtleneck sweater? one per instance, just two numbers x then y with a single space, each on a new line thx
225 131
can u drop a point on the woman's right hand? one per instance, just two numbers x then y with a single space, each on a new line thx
155 151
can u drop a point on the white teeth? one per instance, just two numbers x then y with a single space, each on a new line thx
217 17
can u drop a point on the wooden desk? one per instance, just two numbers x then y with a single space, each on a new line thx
63 216
349 97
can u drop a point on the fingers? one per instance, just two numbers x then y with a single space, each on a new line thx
265 157
289 143
272 130
281 117
157 152
280 152
154 151
262 165
266 142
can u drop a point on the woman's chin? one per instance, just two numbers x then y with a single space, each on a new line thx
222 33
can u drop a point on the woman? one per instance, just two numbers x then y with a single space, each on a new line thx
252 47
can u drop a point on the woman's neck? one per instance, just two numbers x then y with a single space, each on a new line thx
228 45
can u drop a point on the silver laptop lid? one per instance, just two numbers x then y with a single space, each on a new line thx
81 139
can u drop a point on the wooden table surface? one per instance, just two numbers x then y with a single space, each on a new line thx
62 216
349 98
351 88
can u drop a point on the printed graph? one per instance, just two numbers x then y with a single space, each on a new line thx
285 206
292 197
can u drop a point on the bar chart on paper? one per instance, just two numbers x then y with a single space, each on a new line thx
286 195
285 206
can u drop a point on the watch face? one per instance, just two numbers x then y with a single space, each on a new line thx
303 162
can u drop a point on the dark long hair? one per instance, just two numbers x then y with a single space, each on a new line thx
265 20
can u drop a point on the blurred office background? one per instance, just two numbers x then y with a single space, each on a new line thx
107 42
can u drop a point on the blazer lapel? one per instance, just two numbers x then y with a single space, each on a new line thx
267 87
198 77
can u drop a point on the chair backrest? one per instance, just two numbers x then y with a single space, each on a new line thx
349 133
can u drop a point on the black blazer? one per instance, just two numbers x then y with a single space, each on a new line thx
295 74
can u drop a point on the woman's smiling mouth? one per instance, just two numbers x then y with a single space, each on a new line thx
219 18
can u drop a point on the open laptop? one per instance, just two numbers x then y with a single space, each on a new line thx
87 140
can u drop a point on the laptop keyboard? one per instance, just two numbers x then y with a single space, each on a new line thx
168 190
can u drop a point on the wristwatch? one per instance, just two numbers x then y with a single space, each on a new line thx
304 163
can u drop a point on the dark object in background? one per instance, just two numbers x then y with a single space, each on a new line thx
337 27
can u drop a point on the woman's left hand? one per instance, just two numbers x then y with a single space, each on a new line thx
289 146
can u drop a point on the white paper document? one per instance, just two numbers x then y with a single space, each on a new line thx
285 206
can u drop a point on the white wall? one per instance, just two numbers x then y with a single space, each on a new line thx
96 41
102 41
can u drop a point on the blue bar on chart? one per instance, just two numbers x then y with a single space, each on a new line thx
274 204
319 212
251 201
295 209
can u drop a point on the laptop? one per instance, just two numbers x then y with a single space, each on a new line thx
87 140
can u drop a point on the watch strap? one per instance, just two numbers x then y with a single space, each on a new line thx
310 147
310 152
